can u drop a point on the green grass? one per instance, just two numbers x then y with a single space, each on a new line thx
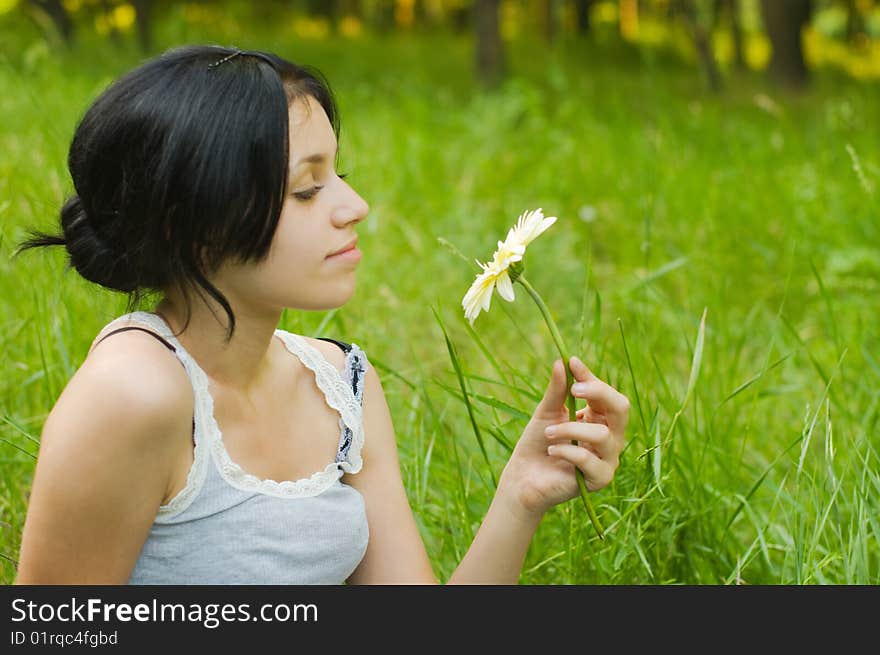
752 450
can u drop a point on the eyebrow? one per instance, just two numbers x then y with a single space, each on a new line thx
316 158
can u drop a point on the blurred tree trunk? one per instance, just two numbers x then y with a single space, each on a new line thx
548 19
732 9
855 22
490 54
115 36
783 21
698 24
325 8
383 15
352 8
582 8
59 17
420 14
144 20
461 16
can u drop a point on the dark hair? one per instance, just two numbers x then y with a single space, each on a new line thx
180 165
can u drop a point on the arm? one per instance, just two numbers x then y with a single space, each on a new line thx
395 552
532 482
104 466
499 548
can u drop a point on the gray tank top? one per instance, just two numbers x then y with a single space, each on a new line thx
227 526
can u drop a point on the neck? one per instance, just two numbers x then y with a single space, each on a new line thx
243 363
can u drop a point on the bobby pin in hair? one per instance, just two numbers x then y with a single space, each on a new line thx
225 59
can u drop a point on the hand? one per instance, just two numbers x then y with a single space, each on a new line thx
538 479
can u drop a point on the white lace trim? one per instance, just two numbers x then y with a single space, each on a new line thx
328 378
196 476
337 391
355 365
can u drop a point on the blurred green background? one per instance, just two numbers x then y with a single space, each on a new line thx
702 156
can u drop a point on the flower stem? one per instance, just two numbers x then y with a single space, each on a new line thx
570 399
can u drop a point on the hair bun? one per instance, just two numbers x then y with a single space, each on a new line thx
91 255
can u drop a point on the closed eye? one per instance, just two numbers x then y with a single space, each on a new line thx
311 193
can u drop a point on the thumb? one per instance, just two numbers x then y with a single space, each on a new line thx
556 393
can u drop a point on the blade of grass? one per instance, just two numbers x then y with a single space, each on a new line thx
657 458
8 419
387 369
319 331
583 322
486 400
809 431
824 292
692 378
760 480
525 392
482 346
17 447
496 432
745 385
47 385
660 272
632 376
464 392
794 333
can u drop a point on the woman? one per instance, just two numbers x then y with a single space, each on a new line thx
198 443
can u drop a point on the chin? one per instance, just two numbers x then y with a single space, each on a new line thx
328 301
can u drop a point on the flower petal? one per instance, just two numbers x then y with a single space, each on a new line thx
487 295
474 299
479 297
547 222
505 287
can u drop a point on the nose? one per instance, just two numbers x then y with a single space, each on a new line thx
353 208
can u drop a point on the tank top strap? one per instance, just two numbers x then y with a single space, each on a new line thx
339 388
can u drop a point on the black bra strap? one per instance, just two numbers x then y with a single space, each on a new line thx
345 346
167 345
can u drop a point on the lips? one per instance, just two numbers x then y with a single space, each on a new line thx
348 246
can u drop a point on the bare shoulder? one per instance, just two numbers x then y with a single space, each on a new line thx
331 351
138 364
130 373
107 451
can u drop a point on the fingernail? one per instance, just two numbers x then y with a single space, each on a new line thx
551 450
550 431
578 387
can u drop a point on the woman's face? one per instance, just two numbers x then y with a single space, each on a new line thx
318 218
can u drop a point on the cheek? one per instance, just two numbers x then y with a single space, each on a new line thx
296 253
291 238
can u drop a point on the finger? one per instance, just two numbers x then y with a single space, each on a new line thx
604 399
587 414
597 435
583 374
579 370
597 472
556 393
592 416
